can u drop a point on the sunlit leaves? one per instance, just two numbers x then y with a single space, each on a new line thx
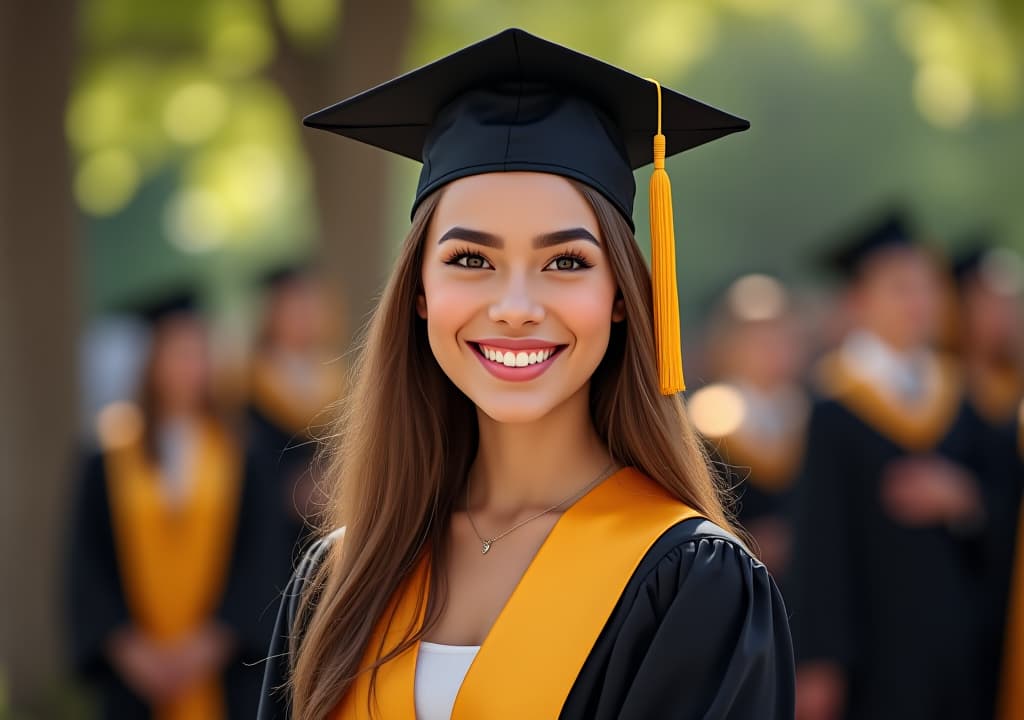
309 23
965 58
106 180
180 85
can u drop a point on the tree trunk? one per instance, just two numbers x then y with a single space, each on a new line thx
38 329
350 179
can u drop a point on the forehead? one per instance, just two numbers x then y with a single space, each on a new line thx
896 261
513 204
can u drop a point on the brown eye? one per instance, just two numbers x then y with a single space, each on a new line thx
568 263
470 260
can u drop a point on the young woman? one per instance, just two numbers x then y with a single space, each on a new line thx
531 529
166 585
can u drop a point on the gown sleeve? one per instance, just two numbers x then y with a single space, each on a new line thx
823 620
275 698
95 599
701 635
247 606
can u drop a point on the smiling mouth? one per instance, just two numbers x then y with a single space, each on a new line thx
517 358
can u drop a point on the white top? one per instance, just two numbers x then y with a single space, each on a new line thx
440 670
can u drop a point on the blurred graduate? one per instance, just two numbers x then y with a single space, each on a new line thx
989 283
294 382
755 414
167 589
890 518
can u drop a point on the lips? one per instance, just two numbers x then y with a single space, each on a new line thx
516 359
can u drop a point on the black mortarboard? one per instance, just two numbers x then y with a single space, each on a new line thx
281 275
973 249
518 102
888 231
156 310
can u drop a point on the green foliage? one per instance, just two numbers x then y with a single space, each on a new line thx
839 124
184 146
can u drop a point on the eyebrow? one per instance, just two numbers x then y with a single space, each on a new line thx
541 241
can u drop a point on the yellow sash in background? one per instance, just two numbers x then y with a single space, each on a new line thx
174 561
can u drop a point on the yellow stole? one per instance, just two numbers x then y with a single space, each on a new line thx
916 427
271 394
174 561
996 392
773 465
560 606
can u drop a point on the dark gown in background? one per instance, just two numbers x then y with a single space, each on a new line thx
97 603
282 428
700 631
993 408
894 605
761 471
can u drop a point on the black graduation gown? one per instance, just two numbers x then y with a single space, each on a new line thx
279 458
894 605
1000 473
700 631
96 605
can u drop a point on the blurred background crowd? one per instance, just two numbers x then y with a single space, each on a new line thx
184 271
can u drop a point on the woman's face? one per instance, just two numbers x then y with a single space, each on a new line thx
518 293
181 364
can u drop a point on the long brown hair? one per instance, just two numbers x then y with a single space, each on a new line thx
405 443
149 393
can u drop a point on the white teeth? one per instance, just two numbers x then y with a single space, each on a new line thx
516 359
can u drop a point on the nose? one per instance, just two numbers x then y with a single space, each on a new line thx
516 305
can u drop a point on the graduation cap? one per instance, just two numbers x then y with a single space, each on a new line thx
278 277
886 232
156 310
517 102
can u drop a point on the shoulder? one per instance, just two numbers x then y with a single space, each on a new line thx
700 587
306 570
700 555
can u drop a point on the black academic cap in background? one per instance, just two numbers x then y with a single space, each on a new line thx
891 229
156 309
973 248
280 275
515 101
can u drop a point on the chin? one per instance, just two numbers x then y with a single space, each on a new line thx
506 408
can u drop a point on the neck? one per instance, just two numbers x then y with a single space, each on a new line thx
901 345
527 466
178 413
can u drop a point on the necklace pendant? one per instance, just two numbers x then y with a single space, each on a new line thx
485 547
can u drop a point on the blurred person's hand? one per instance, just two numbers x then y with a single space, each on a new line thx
202 654
146 668
820 691
929 490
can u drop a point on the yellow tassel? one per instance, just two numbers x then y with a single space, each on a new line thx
663 270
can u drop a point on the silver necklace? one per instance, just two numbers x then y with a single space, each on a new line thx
485 544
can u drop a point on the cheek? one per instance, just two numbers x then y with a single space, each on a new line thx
587 312
448 306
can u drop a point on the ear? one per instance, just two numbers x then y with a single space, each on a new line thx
421 305
618 309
